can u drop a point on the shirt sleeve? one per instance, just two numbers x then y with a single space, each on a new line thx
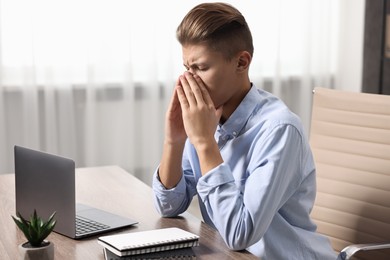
243 216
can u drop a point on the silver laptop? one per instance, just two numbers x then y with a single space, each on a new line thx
46 182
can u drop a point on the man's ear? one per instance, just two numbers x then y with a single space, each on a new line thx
243 61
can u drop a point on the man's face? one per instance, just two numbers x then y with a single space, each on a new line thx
217 73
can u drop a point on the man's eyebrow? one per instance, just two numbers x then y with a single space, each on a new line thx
194 64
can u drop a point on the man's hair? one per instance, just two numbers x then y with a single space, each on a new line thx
218 25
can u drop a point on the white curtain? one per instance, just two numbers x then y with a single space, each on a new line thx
90 79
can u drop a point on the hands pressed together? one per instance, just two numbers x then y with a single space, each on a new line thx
192 112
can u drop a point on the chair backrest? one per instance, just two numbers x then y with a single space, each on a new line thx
350 139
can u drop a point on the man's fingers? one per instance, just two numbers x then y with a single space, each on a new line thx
174 97
205 94
195 88
194 91
189 94
182 97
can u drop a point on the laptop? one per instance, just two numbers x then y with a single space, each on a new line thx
46 182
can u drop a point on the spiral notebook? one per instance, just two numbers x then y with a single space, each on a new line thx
176 254
150 241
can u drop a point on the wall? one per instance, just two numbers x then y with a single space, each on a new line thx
351 34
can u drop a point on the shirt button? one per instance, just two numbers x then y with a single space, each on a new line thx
234 133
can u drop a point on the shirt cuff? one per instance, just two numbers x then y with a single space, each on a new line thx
159 188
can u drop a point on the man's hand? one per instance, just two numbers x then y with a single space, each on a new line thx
200 119
174 128
170 171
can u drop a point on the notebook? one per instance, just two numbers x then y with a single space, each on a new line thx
46 182
176 254
151 241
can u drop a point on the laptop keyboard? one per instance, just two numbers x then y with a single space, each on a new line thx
84 225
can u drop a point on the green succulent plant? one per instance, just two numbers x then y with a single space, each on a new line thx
35 229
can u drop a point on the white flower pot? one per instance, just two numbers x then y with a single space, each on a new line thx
26 252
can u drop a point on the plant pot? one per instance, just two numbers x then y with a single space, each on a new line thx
27 252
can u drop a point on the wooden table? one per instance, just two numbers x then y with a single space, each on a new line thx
113 189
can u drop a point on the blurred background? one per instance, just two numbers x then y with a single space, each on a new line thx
91 79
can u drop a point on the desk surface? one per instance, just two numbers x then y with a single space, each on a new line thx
112 189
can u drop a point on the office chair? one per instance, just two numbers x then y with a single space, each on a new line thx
350 139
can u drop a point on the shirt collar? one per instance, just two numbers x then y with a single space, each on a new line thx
236 122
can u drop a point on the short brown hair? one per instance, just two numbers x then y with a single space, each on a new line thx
218 25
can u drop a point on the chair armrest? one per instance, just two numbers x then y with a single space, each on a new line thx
349 251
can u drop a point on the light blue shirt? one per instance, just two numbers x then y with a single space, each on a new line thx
260 198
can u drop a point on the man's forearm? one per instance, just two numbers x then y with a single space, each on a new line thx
209 156
170 170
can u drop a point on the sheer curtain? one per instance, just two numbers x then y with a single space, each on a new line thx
91 79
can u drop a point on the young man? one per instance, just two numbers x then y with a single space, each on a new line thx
237 147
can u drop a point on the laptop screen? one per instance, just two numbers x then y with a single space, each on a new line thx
45 182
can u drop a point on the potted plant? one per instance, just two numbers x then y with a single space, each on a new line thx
36 230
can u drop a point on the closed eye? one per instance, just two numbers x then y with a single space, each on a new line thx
195 67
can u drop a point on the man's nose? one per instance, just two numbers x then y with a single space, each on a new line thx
190 70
